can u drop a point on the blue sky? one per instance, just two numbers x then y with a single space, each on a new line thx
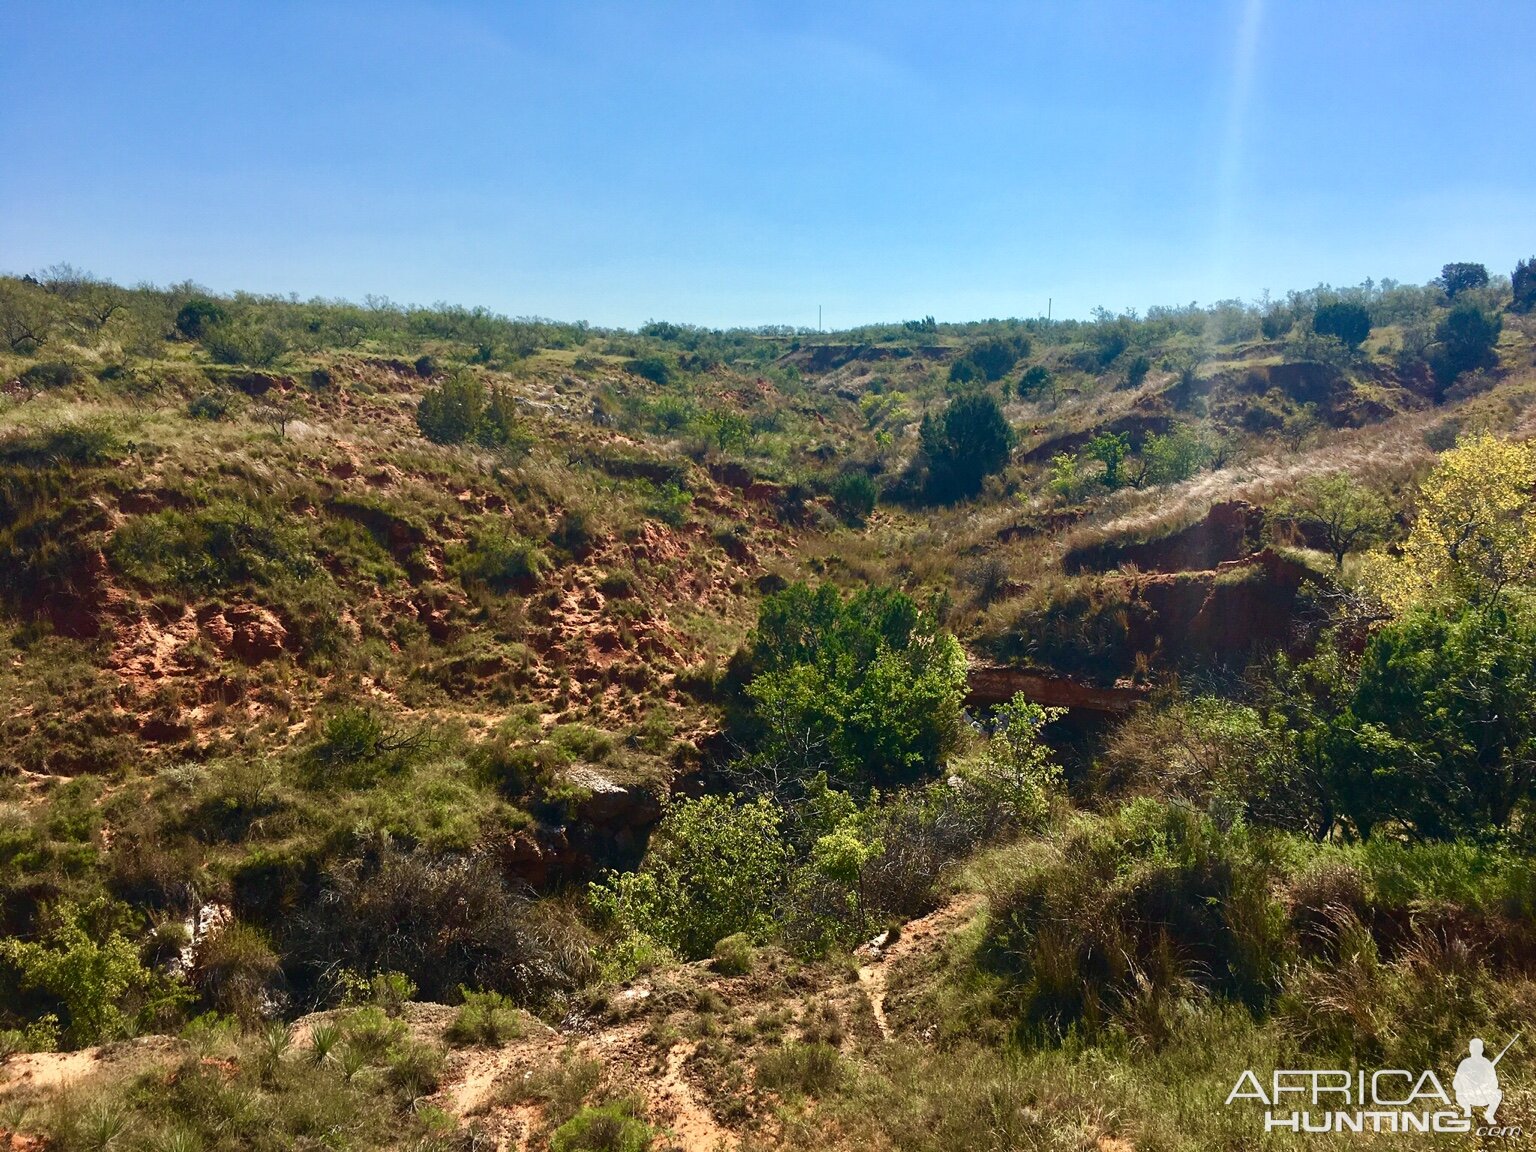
744 163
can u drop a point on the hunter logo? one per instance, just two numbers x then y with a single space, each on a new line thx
1385 1100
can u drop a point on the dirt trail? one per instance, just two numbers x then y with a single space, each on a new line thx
50 1071
916 938
475 1079
692 1125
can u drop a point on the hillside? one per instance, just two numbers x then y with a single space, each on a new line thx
425 728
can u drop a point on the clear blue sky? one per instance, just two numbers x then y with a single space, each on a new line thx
725 163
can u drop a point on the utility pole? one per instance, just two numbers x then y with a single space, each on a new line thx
818 317
1047 309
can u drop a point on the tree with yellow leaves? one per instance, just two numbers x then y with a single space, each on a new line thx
1475 531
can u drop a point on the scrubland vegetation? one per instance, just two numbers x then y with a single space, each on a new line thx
423 728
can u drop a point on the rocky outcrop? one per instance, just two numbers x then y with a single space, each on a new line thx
1137 425
1228 532
818 358
248 632
990 685
1223 615
609 828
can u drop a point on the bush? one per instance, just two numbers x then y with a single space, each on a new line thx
716 867
802 1069
1035 380
216 547
356 749
1174 457
652 368
234 969
1465 341
231 342
971 442
450 413
867 689
485 1018
734 956
53 374
1458 278
499 559
611 1127
1523 281
1136 372
210 406
1125 920
1350 323
86 964
1109 449
1445 717
197 316
854 496
445 922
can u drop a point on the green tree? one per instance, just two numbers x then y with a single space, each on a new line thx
970 443
1109 449
451 412
1017 766
86 961
867 689
1346 515
1446 721
1168 459
1458 278
198 315
1523 281
652 368
1035 380
854 496
716 866
1464 340
1351 323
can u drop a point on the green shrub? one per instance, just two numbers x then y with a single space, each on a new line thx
611 1127
868 689
1465 340
1035 380
802 1069
1124 921
52 374
1441 725
854 495
499 559
1174 457
652 368
971 442
734 955
211 548
485 1018
450 413
716 867
357 748
85 962
237 342
414 1069
210 406
1458 278
1523 281
197 316
233 970
1136 372
1350 323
